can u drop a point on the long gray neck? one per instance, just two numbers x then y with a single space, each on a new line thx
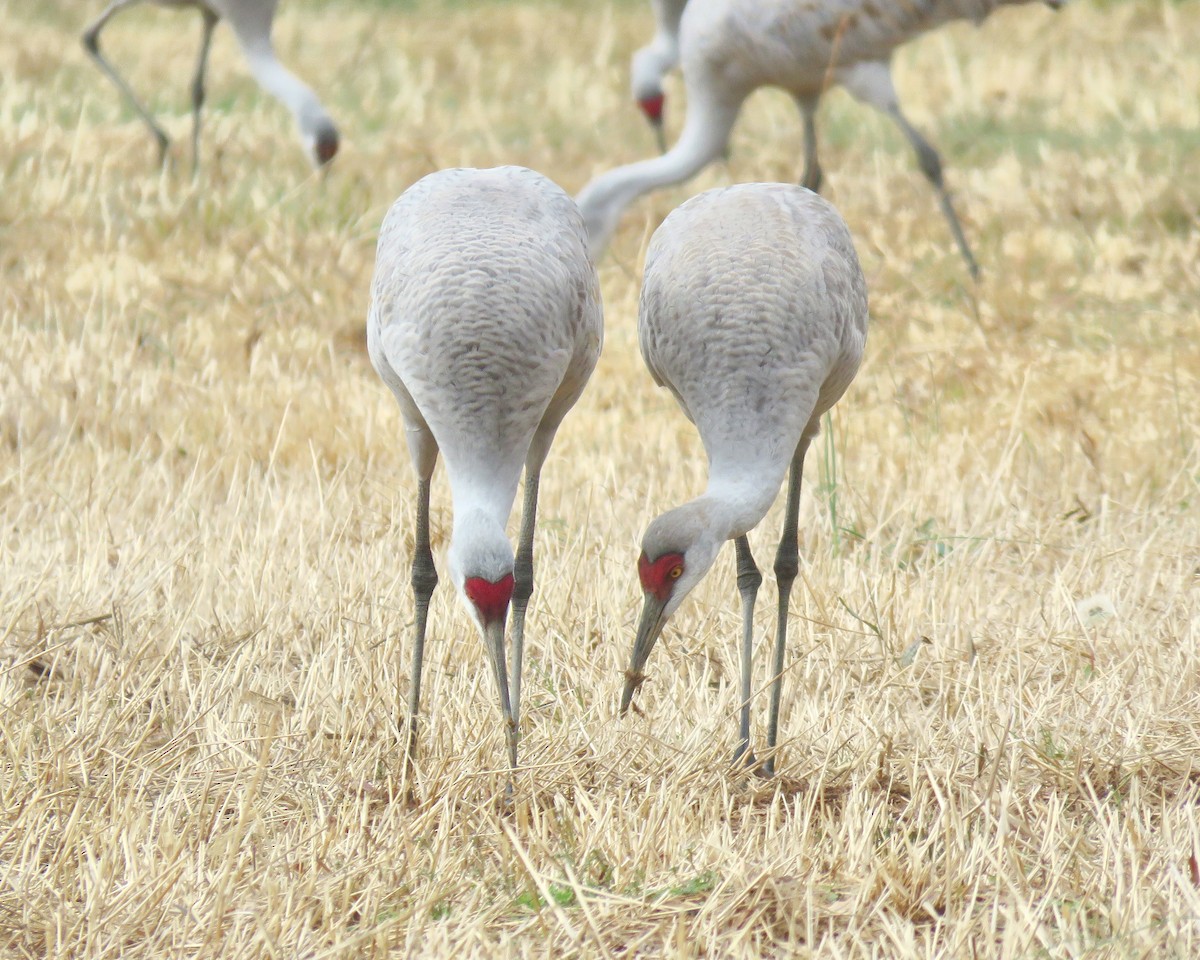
737 502
285 86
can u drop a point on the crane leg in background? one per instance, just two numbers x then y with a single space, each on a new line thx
424 580
931 166
210 23
522 590
812 168
871 83
91 43
787 565
748 580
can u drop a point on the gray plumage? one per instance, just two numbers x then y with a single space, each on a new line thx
754 314
730 48
485 322
251 22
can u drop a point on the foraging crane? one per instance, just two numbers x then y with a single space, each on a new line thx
730 48
251 22
652 62
754 314
485 322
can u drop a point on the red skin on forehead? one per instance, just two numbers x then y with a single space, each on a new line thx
656 576
652 107
490 599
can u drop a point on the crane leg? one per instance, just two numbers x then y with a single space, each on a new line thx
787 565
812 168
91 43
931 166
522 591
871 83
748 581
424 580
210 23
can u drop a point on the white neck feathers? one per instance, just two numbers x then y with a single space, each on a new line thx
285 86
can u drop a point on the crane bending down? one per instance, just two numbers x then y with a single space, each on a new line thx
485 322
251 22
754 314
652 62
730 48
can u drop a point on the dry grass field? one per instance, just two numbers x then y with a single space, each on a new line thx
992 705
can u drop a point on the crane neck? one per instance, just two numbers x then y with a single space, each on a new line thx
284 85
737 503
705 133
478 494
479 547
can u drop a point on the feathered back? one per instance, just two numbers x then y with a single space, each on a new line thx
754 313
484 305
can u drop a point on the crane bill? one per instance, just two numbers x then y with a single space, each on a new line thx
654 618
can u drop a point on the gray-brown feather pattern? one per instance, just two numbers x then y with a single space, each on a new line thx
794 44
485 307
754 313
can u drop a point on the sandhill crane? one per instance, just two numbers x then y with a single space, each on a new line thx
754 314
653 61
730 48
251 22
485 322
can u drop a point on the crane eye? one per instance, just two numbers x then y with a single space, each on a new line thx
676 571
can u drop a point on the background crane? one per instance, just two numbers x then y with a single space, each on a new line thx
730 48
251 22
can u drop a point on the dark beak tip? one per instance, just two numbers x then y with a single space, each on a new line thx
327 148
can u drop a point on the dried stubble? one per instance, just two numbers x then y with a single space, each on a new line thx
991 704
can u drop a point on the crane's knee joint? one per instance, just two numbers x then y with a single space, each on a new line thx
749 580
522 579
424 579
931 164
787 566
91 41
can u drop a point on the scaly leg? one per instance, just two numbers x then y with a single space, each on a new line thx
748 581
871 83
210 23
812 168
91 43
424 580
522 590
931 166
787 565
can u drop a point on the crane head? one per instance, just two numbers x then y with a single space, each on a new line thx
490 598
481 567
325 143
677 551
659 578
652 107
647 69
